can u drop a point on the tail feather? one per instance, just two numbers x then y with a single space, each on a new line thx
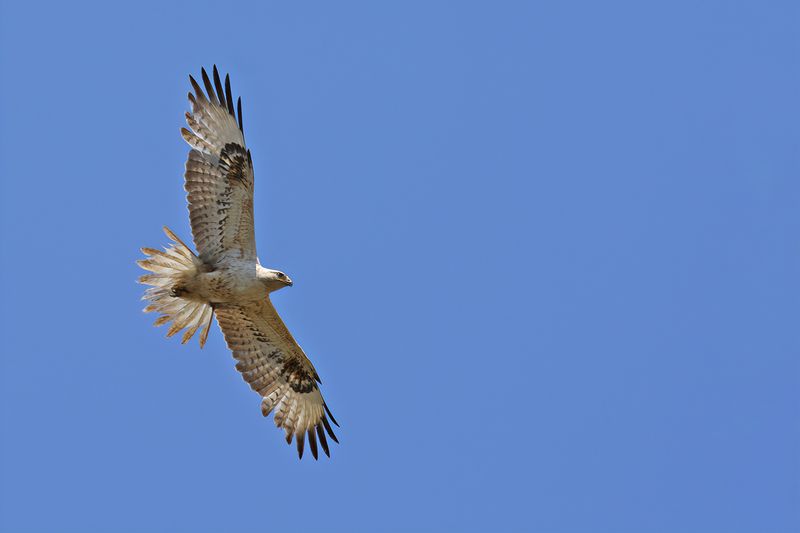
205 318
168 269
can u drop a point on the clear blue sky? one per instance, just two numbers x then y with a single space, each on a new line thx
546 261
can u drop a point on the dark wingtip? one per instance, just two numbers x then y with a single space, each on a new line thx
329 429
228 95
301 441
312 442
322 440
197 90
207 82
218 85
239 110
330 414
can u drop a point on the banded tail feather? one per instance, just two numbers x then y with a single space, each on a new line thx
168 270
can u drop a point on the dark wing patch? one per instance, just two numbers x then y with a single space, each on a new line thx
297 377
221 202
237 164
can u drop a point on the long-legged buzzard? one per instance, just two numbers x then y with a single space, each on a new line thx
225 278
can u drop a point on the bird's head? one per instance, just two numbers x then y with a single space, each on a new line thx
273 279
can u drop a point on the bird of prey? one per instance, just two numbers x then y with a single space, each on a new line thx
225 277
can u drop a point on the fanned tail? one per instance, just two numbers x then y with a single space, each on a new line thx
168 270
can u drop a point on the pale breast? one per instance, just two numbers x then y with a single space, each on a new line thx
230 285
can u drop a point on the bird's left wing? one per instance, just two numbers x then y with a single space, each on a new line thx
275 366
219 175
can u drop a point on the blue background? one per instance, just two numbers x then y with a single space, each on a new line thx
546 261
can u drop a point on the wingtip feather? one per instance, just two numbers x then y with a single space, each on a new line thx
197 90
209 88
322 440
228 95
330 414
218 85
329 429
312 443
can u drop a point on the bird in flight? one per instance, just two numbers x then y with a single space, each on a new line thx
225 277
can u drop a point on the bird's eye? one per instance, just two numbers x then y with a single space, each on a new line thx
281 275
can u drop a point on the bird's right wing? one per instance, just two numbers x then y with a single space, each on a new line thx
219 175
275 366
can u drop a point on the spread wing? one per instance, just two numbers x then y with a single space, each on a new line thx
219 175
275 366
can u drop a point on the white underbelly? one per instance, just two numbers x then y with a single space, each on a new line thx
227 286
